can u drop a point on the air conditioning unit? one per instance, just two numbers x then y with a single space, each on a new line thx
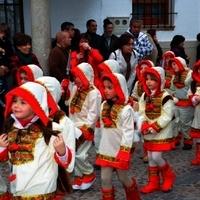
121 24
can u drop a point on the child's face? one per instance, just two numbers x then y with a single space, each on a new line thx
109 90
142 68
151 83
78 82
167 59
175 67
23 78
21 109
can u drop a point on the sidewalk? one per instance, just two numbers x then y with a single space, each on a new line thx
187 185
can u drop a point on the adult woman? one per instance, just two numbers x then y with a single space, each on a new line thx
176 45
108 38
23 55
127 58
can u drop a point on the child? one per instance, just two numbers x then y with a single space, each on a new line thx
168 71
194 95
109 66
84 104
138 91
156 106
181 84
106 67
87 54
169 76
53 87
117 123
28 73
35 151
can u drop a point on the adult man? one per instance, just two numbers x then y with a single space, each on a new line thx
58 60
68 27
95 39
141 42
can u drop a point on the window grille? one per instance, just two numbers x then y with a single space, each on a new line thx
11 13
157 14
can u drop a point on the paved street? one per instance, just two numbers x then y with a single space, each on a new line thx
187 185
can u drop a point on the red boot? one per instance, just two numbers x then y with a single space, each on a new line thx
177 139
132 191
108 194
196 161
168 177
154 181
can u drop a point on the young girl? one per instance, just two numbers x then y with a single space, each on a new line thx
35 151
28 73
169 76
156 106
84 104
181 85
138 91
168 71
53 87
194 95
117 123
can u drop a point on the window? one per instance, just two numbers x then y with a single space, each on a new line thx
154 13
11 13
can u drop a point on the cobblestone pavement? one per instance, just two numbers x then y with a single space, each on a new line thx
186 187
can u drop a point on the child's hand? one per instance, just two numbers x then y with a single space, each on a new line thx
4 140
197 98
59 145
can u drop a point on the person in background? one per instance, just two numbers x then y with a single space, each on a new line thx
68 27
156 129
198 47
22 56
86 53
95 39
141 42
29 142
108 38
28 73
177 46
75 40
6 51
152 32
127 58
117 124
59 62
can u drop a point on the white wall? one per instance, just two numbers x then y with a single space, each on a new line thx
187 19
79 12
